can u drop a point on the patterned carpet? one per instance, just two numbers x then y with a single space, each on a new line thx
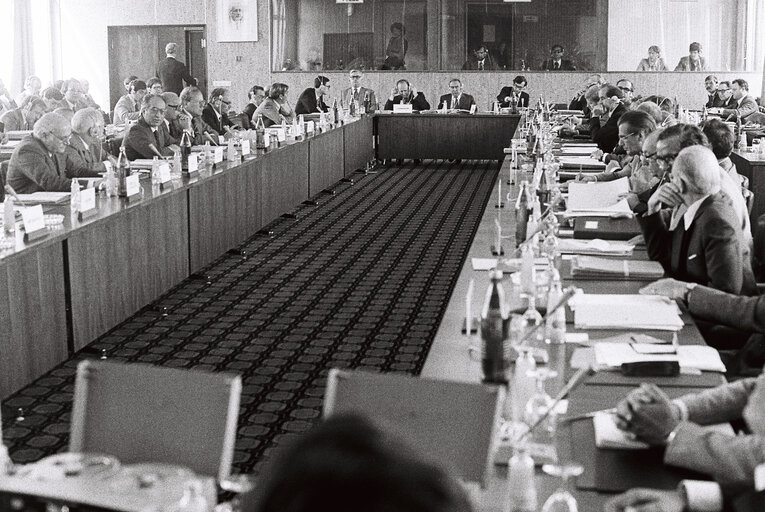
360 281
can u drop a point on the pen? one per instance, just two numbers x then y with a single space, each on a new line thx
588 415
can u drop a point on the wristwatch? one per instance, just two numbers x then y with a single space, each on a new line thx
688 289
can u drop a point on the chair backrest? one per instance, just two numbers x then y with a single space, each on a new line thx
453 423
142 413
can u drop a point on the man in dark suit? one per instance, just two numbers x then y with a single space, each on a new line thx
173 72
744 104
145 139
516 91
175 120
192 104
556 62
480 60
38 164
405 93
312 99
24 117
700 239
457 100
74 98
215 112
604 124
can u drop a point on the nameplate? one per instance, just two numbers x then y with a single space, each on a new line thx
221 139
34 220
245 147
472 108
401 108
217 154
591 224
87 199
133 185
164 173
193 163
266 139
281 135
310 127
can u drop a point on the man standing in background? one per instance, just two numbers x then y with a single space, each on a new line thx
172 72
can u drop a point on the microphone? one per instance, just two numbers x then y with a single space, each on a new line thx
9 190
155 150
573 383
210 138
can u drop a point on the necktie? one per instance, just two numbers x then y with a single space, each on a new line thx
677 218
480 65
557 65
454 102
355 95
156 139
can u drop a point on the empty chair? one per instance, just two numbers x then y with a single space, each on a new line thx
453 423
142 413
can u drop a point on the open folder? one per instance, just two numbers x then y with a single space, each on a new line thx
608 435
592 311
608 268
580 162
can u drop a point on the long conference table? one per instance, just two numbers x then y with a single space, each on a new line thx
605 471
61 292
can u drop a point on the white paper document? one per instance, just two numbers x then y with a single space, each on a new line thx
577 150
484 263
575 162
595 247
625 312
44 197
599 198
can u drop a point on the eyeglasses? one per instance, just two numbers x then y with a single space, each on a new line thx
65 139
519 86
155 111
355 77
666 161
225 101
174 107
648 156
625 89
624 137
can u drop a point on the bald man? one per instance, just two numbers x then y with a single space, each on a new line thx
84 154
172 72
700 239
145 139
175 120
39 163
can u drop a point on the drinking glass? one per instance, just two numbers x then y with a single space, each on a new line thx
562 500
541 405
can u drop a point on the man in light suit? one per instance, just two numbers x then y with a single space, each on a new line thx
145 139
745 104
192 106
84 154
24 117
38 164
457 100
74 99
693 61
311 100
700 239
172 72
128 106
358 93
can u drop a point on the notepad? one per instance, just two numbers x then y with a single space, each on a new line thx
592 311
690 357
577 150
608 436
44 197
576 162
608 268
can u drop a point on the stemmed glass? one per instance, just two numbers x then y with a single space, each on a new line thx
538 407
562 500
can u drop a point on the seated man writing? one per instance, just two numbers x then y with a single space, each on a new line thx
145 139
700 239
38 164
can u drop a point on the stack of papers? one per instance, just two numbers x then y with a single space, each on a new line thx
595 247
581 162
625 312
577 150
605 268
609 437
44 198
690 357
601 199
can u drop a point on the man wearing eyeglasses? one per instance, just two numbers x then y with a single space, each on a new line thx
358 93
605 132
192 104
311 101
556 62
628 90
176 121
38 164
215 112
145 139
743 104
517 91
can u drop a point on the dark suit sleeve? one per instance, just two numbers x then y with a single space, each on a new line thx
187 76
388 104
77 167
208 116
723 256
740 312
658 239
33 165
504 93
472 101
606 136
420 103
305 104
137 143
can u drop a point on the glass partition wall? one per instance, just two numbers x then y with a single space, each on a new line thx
583 35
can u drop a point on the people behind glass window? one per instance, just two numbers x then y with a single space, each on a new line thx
395 52
654 62
456 99
742 105
556 62
346 463
480 60
405 93
356 92
693 61
514 92
311 100
275 108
